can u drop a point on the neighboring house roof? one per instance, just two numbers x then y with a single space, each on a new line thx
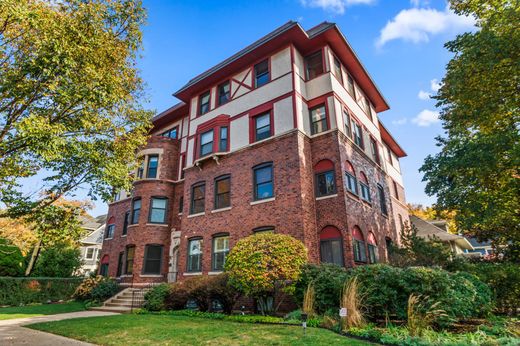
95 237
428 230
96 226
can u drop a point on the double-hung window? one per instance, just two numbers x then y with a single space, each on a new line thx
130 253
110 231
366 105
171 133
152 259
197 198
347 121
350 176
223 140
222 192
382 200
220 251
314 65
90 252
318 117
396 190
151 171
206 143
224 93
337 70
140 168
120 259
365 189
194 255
350 86
262 126
136 210
158 207
375 150
360 254
204 103
325 183
358 134
261 73
126 222
263 181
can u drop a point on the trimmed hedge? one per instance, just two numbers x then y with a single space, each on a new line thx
26 290
386 290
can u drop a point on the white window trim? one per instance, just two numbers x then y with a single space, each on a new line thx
327 196
263 201
192 273
198 214
220 210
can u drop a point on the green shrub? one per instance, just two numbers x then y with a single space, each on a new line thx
11 259
23 290
219 288
96 289
155 299
57 261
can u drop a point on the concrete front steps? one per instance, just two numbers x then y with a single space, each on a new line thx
122 302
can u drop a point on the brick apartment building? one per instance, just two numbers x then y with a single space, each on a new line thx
284 137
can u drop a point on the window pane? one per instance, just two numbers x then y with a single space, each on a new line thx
261 73
204 103
223 93
197 199
318 120
314 65
337 69
152 166
159 203
221 244
158 216
350 86
264 191
263 174
262 126
206 143
326 183
223 139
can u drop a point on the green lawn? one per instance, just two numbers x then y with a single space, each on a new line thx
182 330
39 310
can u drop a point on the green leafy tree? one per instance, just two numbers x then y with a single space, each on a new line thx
477 172
11 259
262 265
60 260
69 98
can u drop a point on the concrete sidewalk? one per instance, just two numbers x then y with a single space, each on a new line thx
12 331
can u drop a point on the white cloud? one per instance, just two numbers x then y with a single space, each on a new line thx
426 118
336 6
424 95
401 121
435 85
417 3
418 24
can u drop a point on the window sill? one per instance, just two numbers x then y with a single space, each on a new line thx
157 224
262 201
126 276
180 214
195 215
133 225
150 275
123 235
108 238
327 196
215 272
220 210
353 195
192 273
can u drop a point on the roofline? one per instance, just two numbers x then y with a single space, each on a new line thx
396 148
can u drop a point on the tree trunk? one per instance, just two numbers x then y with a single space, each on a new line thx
34 257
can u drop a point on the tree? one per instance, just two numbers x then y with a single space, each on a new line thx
477 172
432 213
59 260
18 232
11 259
262 265
69 98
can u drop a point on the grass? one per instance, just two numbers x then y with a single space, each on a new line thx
39 310
182 330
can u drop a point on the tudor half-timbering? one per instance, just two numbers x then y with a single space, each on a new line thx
283 136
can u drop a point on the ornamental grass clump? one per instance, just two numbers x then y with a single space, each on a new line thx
421 317
352 300
308 301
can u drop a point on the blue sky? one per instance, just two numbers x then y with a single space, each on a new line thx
400 42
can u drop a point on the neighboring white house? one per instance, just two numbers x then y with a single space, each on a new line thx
438 229
91 244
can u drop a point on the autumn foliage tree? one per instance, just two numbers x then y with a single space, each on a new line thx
262 265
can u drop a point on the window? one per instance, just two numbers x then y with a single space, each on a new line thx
126 222
360 254
206 143
197 198
158 210
375 150
366 104
347 121
351 178
331 246
262 126
396 190
204 103
263 229
358 134
337 70
373 252
365 189
314 65
90 253
318 119
224 93
222 192
140 168
151 171
222 144
129 266
389 154
120 264
103 269
152 259
171 133
181 204
263 181
261 73
109 234
220 251
325 179
195 255
136 210
350 86
382 199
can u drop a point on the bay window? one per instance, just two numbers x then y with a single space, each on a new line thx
314 65
157 212
206 143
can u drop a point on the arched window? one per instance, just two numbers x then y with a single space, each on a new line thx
373 253
350 174
358 242
110 228
103 268
365 188
325 179
331 246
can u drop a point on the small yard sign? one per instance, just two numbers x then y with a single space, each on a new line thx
343 312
